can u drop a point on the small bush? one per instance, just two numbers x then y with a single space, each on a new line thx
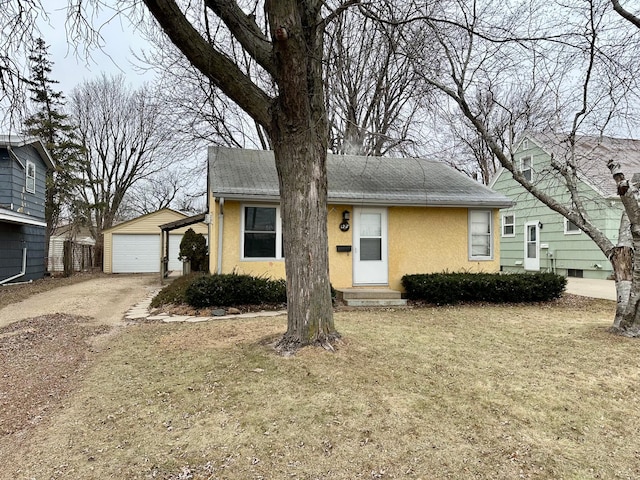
175 291
230 289
452 288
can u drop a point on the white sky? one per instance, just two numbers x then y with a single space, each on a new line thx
116 56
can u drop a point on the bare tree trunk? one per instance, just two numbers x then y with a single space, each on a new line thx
621 258
299 136
303 200
626 263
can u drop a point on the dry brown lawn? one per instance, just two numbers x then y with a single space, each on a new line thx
477 392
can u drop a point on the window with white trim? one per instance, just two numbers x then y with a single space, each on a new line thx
525 144
571 228
526 167
31 177
480 235
509 225
261 232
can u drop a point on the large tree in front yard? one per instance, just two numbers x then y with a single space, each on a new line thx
284 41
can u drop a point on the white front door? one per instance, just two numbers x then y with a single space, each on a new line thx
370 264
532 246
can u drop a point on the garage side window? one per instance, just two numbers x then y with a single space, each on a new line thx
261 233
480 235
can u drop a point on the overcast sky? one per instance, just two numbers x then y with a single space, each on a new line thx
72 68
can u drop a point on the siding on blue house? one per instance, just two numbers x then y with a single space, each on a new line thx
13 239
22 212
14 194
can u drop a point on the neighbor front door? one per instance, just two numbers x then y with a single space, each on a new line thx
532 246
370 264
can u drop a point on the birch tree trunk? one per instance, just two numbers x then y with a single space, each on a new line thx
625 263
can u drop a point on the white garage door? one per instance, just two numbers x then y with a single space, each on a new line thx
136 253
141 253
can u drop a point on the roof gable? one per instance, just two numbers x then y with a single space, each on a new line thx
251 174
21 141
591 155
164 215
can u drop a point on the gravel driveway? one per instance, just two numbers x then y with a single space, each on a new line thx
105 299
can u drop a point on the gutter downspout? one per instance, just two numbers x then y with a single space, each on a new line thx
15 157
22 272
220 231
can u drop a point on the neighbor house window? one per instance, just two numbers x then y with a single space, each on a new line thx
526 168
31 177
261 232
525 144
570 228
509 225
480 235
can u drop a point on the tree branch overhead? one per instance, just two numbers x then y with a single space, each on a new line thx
216 66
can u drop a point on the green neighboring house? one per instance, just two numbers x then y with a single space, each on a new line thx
535 238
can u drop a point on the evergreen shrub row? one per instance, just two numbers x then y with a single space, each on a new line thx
224 290
452 288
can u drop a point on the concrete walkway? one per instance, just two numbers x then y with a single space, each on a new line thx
592 288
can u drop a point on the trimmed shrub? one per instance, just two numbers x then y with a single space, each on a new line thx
175 291
230 289
200 290
452 288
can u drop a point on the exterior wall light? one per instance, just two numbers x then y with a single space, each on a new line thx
344 226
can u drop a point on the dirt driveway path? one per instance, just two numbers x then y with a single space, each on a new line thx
106 299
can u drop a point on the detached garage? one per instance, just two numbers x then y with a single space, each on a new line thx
134 246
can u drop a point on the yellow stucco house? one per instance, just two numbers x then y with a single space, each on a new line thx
387 217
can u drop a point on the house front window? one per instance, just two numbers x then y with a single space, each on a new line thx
480 235
526 167
261 232
509 225
31 177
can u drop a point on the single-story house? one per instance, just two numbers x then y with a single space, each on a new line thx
24 162
135 246
535 238
387 217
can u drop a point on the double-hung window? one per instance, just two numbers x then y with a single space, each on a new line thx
480 235
31 177
526 167
509 225
261 232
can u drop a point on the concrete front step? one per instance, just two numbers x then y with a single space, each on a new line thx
375 302
371 297
370 293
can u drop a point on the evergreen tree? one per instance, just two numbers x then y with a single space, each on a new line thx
193 247
54 128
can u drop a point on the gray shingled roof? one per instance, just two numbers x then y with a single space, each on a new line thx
251 174
591 156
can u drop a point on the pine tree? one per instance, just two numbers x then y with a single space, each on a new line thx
55 129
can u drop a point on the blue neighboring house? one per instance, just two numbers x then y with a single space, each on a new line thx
24 162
